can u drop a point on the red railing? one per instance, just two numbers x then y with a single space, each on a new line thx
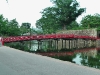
47 36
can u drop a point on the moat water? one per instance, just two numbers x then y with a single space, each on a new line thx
84 56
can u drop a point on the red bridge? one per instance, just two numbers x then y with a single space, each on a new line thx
47 36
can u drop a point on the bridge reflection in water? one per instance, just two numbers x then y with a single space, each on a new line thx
85 56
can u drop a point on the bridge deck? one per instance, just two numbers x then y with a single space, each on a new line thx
16 62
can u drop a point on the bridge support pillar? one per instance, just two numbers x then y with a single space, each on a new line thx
83 42
94 42
39 44
1 42
74 43
62 43
69 44
65 43
56 44
50 44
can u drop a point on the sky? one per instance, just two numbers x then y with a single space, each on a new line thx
29 10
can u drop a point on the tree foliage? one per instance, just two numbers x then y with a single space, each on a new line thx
3 25
73 25
91 21
25 28
59 16
9 28
13 28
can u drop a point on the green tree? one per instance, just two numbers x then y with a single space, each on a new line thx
3 26
9 28
60 15
13 28
91 21
73 25
48 25
25 28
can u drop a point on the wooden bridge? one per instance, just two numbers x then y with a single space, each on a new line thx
47 36
55 37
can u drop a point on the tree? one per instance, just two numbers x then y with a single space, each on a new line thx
91 21
73 25
48 25
3 25
9 28
25 28
60 15
13 28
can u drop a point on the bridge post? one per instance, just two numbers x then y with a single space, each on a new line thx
65 43
1 42
83 42
69 44
62 44
57 44
74 43
50 44
38 44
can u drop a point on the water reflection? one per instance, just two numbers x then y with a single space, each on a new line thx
87 56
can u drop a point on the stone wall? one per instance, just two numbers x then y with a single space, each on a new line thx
89 32
62 44
80 42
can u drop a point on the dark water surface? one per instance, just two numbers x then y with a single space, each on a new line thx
85 56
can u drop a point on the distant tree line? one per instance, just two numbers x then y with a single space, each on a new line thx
12 27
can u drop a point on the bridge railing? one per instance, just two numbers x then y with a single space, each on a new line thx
47 36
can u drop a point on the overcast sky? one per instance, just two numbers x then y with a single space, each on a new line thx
29 10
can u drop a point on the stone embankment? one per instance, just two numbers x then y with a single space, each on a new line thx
80 42
88 32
